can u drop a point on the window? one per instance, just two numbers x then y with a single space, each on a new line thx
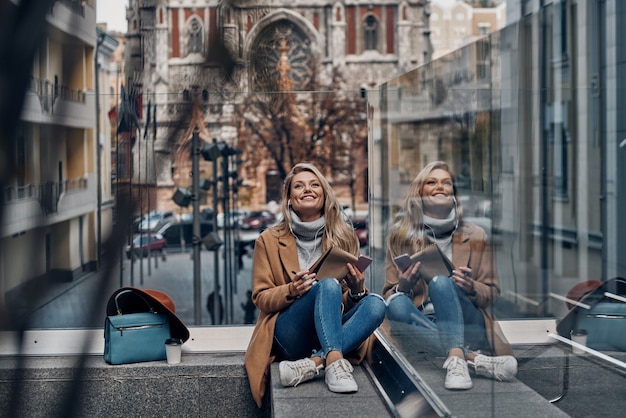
195 36
560 140
483 29
370 32
20 159
561 28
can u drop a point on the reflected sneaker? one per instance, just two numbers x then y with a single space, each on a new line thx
339 377
498 367
293 373
457 376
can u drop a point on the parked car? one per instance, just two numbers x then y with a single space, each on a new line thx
177 232
257 220
235 217
155 220
206 215
347 210
144 244
136 222
361 227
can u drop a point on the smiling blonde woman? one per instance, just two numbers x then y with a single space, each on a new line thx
309 323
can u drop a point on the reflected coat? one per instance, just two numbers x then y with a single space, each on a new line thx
470 246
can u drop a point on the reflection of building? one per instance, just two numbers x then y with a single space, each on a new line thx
173 58
529 117
49 223
109 49
455 23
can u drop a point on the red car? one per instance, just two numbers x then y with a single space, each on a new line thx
144 244
361 228
257 220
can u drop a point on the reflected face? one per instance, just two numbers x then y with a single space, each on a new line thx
307 196
437 193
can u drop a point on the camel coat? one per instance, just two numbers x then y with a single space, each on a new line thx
275 257
469 247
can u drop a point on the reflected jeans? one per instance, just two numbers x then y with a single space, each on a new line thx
315 324
457 322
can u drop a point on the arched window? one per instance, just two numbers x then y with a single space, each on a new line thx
195 36
370 32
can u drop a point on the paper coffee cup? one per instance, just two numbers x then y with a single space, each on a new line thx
579 336
173 350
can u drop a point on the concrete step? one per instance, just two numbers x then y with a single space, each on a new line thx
313 399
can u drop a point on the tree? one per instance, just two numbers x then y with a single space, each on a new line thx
323 123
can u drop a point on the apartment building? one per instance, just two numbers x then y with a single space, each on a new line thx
456 23
49 226
529 119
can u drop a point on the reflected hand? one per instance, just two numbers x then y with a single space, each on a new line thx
463 278
409 277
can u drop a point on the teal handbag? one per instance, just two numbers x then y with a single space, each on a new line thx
605 324
604 321
135 337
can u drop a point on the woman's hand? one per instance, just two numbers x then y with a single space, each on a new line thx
463 278
408 278
355 279
301 283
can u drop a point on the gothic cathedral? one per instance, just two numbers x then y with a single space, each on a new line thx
208 57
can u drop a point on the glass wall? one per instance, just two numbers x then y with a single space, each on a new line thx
527 119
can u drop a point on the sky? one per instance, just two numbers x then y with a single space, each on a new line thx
113 13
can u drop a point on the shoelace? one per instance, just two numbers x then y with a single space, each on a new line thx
342 370
455 367
303 371
492 366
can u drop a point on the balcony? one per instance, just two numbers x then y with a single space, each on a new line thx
49 102
75 17
47 203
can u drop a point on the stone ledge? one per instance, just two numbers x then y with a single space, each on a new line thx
212 384
50 342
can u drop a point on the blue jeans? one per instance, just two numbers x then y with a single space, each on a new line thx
314 325
457 322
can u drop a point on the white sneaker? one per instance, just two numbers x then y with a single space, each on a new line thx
293 373
498 367
339 377
457 376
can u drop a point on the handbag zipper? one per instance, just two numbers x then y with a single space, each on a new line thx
606 316
134 327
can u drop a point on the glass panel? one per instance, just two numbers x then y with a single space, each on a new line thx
521 119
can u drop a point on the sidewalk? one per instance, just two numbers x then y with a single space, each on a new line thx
78 304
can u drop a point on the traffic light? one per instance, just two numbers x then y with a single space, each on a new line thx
182 197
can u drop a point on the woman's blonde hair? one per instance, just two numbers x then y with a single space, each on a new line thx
407 231
337 231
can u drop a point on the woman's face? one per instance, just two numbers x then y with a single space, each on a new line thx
437 193
306 196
